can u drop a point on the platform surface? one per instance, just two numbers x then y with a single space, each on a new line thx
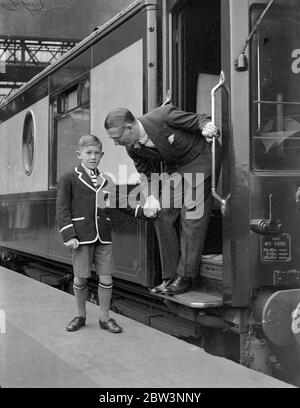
36 350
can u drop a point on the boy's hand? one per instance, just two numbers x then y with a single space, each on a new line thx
72 243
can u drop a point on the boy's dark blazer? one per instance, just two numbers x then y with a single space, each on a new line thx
77 213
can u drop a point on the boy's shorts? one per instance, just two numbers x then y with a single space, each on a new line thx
85 255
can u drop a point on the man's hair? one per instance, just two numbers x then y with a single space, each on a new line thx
89 140
118 117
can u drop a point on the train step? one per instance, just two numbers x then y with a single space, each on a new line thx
194 299
210 279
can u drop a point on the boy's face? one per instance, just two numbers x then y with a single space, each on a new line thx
90 156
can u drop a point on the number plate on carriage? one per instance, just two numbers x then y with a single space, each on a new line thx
276 248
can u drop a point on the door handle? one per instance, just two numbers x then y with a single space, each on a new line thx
222 201
168 98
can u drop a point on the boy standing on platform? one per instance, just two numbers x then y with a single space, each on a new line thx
86 230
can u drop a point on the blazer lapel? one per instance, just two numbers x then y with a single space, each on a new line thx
101 181
158 133
84 178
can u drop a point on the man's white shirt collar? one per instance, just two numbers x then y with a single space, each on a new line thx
144 138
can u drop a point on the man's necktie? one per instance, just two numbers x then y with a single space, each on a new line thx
94 178
147 143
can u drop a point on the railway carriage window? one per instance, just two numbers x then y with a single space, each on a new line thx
84 91
275 74
28 143
70 119
71 71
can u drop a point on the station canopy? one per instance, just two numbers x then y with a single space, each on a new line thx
35 33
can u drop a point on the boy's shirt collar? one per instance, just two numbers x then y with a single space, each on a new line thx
89 171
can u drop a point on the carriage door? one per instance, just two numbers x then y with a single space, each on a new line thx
194 69
275 137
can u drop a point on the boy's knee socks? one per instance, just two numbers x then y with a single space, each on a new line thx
80 293
104 295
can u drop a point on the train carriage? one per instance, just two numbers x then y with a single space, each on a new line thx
238 60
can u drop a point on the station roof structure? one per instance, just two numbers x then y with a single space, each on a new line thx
35 33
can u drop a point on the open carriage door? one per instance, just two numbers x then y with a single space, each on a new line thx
195 51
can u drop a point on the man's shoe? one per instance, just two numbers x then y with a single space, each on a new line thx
162 287
179 285
76 323
111 325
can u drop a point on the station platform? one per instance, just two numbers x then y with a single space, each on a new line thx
36 351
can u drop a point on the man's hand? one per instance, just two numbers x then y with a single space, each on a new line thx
150 213
209 131
72 243
151 207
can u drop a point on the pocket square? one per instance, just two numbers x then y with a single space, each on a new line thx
171 139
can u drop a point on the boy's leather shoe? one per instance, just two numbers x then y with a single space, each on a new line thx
76 323
179 285
162 287
110 325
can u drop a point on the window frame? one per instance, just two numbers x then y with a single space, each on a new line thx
29 114
254 93
55 116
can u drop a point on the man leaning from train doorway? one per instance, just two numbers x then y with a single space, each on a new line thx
178 139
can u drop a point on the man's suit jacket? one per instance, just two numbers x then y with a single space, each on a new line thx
178 142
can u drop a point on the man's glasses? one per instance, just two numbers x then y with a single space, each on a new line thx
117 138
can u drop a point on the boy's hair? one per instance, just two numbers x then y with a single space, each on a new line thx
89 140
118 117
